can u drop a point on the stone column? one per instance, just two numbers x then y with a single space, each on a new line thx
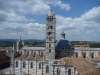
72 71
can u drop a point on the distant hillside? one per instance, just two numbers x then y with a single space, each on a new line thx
14 40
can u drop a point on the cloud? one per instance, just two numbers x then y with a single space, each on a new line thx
86 25
58 3
92 15
63 6
14 22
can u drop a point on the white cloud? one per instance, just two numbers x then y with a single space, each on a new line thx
63 6
87 25
13 17
92 15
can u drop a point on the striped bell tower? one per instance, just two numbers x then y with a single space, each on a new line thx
50 35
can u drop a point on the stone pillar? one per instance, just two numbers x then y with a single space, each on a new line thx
80 54
97 54
89 54
72 71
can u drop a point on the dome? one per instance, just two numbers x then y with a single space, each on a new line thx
63 43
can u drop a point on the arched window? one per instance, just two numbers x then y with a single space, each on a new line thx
58 71
69 71
31 65
34 53
41 54
24 65
76 54
92 55
16 63
39 65
47 69
84 54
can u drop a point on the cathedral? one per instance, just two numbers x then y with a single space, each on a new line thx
57 58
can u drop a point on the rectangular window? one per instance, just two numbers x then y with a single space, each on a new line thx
49 50
51 27
49 45
50 38
49 33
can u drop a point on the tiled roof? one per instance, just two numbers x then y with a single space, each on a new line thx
96 59
84 67
68 61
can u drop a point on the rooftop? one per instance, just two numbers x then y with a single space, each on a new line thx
33 48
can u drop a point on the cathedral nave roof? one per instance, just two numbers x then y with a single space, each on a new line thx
33 48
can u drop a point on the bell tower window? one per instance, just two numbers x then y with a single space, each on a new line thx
49 50
49 45
50 38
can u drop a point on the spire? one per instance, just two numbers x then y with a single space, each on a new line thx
62 35
50 13
20 37
13 47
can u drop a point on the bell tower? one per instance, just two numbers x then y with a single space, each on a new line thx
50 35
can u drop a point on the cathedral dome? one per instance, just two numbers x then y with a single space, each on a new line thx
63 43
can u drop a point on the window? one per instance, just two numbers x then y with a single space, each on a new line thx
16 63
47 69
58 71
49 45
50 38
92 55
49 50
24 65
34 53
76 54
84 54
41 54
39 65
49 33
31 65
51 27
69 71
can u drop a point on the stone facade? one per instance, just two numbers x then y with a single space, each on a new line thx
4 59
41 60
50 35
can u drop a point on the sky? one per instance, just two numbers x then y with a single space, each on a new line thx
80 19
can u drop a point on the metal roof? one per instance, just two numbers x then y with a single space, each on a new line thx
63 43
33 48
92 49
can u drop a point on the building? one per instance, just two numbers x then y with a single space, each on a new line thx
4 59
56 58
